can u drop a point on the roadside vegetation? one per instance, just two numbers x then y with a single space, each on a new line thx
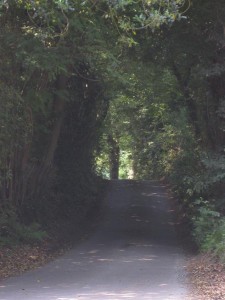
58 75
110 89
169 121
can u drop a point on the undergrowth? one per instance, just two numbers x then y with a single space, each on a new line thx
13 232
201 194
197 179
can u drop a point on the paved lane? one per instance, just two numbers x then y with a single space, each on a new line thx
132 255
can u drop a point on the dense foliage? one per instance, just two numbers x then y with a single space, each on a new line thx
169 122
113 89
58 70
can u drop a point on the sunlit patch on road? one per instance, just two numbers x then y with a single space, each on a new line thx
133 255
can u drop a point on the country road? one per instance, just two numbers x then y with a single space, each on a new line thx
133 254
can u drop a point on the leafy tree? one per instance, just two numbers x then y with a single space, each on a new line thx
118 88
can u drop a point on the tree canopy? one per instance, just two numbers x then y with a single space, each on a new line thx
112 89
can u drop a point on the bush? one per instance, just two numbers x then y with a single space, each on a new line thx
209 229
215 240
13 232
205 221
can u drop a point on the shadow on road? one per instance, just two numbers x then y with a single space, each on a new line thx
132 255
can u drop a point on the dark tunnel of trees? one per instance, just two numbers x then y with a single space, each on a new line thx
101 89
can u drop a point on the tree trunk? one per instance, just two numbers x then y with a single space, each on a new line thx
114 155
59 106
40 176
191 106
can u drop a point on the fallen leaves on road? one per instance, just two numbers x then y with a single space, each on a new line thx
16 260
207 277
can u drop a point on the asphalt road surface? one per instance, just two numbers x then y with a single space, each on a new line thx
133 254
